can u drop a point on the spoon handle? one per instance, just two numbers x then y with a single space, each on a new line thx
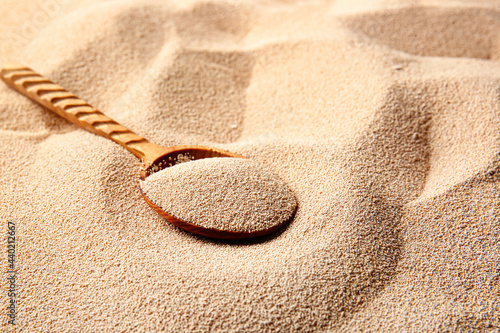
65 104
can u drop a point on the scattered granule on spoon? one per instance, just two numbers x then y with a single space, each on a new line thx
229 194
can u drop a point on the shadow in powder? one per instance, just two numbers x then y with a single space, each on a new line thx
203 94
451 34
389 164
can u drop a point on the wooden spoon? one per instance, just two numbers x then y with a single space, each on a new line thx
154 157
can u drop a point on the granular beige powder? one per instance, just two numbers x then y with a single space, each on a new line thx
381 116
229 194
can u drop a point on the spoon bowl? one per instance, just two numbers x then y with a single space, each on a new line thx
180 154
154 157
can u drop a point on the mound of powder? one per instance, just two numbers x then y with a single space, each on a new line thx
229 194
381 116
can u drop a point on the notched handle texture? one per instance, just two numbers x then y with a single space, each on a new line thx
65 104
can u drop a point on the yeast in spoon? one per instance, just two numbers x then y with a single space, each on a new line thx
226 194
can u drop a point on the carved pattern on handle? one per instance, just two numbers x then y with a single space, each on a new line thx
57 99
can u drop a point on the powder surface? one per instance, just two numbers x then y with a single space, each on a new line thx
229 194
381 116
